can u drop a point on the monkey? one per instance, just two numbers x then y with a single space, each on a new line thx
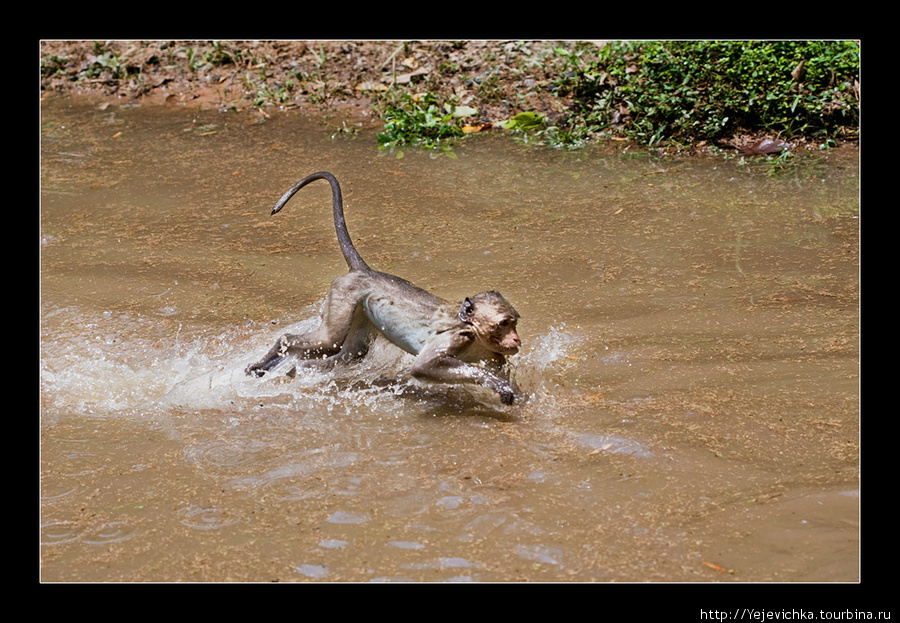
465 342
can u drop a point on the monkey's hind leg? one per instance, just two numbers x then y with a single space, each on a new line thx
344 330
286 346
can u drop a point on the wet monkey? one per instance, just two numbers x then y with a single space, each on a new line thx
452 342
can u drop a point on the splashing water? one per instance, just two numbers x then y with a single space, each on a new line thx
121 371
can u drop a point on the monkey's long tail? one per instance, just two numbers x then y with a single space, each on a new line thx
351 255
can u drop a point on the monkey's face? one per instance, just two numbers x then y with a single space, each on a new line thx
503 337
494 321
495 326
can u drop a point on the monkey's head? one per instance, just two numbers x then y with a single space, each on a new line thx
494 321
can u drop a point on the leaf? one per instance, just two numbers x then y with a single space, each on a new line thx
461 111
407 78
369 85
522 121
468 129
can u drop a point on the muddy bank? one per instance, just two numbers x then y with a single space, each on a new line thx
498 77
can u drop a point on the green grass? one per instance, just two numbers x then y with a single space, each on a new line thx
671 92
417 119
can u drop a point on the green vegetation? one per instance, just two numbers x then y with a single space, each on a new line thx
52 64
421 119
675 93
103 64
417 119
688 91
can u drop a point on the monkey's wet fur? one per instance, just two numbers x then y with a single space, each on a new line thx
451 342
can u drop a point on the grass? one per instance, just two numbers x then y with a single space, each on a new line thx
672 94
683 92
417 119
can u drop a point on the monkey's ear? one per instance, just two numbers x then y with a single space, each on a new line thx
466 311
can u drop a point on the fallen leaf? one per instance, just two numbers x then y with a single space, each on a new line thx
369 85
407 78
477 128
461 111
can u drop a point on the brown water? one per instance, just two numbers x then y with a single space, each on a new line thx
691 331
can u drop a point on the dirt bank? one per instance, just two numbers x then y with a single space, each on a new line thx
497 77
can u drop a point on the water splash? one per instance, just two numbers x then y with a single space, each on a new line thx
539 371
107 364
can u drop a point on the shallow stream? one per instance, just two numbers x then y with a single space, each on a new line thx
691 359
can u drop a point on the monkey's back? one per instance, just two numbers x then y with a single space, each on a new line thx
404 313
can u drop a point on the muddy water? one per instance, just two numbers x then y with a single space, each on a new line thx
691 358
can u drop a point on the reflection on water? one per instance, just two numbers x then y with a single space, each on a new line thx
690 355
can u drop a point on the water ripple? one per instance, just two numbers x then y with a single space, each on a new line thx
223 454
206 518
111 532
57 532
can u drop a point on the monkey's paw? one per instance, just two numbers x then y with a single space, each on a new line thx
254 370
507 396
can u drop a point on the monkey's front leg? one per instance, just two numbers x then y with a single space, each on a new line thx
442 367
450 370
